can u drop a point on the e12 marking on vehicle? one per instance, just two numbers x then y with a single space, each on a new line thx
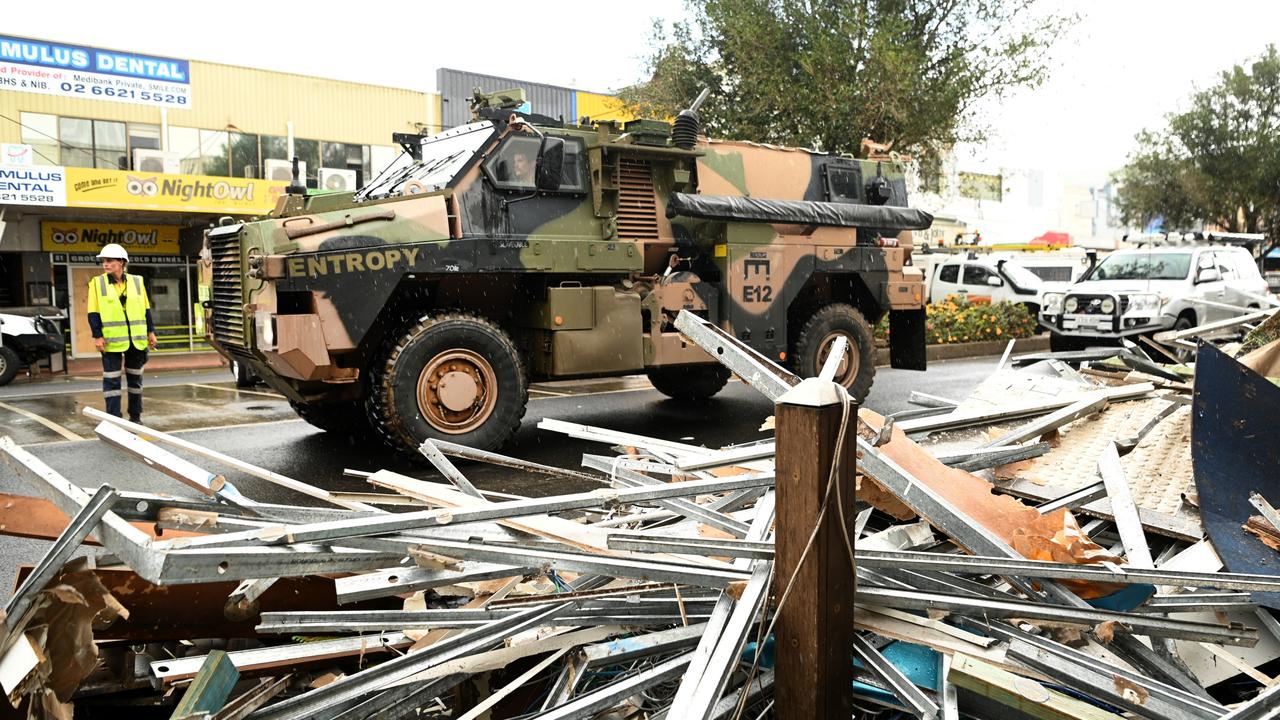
758 265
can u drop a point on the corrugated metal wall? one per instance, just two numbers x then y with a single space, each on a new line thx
456 87
256 101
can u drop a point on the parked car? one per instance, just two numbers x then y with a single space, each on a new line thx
1145 290
27 336
987 278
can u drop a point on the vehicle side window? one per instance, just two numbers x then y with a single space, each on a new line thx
976 275
844 184
1245 267
1226 266
949 273
513 165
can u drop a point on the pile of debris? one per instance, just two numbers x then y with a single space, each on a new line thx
1085 536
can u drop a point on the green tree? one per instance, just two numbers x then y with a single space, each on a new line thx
828 73
1218 162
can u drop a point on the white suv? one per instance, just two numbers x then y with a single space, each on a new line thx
1148 289
987 279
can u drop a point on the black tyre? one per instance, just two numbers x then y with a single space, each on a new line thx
858 368
1184 354
9 364
347 419
451 376
244 376
689 383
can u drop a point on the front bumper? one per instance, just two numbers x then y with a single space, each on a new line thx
1110 326
37 343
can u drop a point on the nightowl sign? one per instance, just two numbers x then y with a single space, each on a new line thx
50 68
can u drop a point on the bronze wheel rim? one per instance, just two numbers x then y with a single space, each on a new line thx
848 368
457 391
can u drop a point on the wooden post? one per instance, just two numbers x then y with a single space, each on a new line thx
814 671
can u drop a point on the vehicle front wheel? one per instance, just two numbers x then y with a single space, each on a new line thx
341 418
1067 343
1184 354
9 364
451 376
858 368
689 383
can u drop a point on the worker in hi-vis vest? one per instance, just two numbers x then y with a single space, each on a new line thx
120 318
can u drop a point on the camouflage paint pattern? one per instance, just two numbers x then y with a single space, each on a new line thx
362 270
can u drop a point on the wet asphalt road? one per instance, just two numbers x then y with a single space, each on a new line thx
257 426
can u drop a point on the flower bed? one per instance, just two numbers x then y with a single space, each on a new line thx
956 320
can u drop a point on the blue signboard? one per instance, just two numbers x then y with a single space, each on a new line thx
51 68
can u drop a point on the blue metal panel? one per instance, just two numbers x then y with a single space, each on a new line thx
1235 450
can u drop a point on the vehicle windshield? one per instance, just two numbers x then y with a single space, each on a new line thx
443 156
1144 266
1020 276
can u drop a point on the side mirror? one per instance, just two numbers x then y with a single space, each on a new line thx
550 171
994 281
1208 275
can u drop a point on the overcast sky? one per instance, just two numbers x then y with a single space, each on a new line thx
1126 64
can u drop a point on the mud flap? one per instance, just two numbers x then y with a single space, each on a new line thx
907 339
1235 450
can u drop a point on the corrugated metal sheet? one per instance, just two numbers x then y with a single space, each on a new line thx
456 87
257 101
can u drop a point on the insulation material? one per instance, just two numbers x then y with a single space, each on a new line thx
74 604
1055 536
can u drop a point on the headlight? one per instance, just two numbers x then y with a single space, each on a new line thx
1051 303
1072 304
1144 304
1108 305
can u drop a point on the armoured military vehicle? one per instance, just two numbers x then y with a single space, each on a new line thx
517 248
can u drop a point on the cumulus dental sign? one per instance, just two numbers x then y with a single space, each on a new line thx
73 71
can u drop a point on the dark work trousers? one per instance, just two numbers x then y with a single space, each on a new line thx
132 359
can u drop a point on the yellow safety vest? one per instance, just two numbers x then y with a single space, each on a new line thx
121 323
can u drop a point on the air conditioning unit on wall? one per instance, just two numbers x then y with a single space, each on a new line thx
155 161
333 179
282 170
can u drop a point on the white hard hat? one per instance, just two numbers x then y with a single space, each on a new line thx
114 252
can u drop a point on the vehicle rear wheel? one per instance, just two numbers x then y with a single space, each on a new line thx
858 368
689 383
9 364
451 376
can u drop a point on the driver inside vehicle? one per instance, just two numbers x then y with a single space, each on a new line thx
522 166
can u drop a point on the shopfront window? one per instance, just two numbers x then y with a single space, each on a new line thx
214 149
184 143
308 151
244 155
110 145
40 131
144 137
76 135
275 147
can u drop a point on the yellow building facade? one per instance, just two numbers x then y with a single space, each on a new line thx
103 145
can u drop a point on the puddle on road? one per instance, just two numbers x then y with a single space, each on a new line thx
168 409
